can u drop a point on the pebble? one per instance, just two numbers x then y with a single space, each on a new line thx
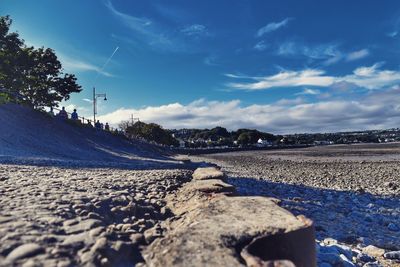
393 255
365 258
67 212
26 250
393 227
373 251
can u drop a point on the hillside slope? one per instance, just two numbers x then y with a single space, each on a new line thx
29 135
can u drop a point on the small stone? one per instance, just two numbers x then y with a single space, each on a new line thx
345 261
96 231
365 258
26 250
76 239
136 238
82 226
393 227
373 251
392 255
372 264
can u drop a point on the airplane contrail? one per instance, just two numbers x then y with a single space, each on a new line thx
105 64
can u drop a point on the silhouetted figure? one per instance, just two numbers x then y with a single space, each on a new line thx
107 127
62 114
89 123
51 112
97 125
74 115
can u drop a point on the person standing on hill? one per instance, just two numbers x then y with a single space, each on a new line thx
63 114
97 125
107 127
74 115
51 112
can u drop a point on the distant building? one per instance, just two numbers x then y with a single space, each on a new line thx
182 143
263 143
323 143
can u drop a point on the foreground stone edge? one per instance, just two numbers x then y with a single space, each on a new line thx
213 226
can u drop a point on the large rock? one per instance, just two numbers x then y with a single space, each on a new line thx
207 173
213 229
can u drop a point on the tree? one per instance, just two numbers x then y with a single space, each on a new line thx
150 132
32 75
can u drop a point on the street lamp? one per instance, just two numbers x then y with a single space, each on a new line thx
95 96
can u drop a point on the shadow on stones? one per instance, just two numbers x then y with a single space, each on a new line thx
134 164
347 216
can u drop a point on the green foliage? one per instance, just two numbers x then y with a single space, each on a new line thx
247 136
220 136
150 132
31 75
4 98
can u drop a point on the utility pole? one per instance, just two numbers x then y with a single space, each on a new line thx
133 119
95 96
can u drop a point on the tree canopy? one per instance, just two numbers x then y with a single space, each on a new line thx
31 75
150 132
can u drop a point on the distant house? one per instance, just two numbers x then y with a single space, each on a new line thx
263 143
182 143
323 143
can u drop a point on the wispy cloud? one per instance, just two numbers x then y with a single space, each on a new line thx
136 23
365 77
327 54
393 34
308 91
76 65
261 46
195 30
211 60
145 29
357 55
378 110
272 26
321 51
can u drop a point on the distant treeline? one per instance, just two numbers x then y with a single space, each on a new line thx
220 136
31 75
149 131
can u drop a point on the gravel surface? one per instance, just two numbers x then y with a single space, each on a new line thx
351 192
54 216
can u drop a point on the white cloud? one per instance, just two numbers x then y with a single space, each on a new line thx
196 30
357 55
366 77
308 77
261 46
308 91
371 77
273 26
378 110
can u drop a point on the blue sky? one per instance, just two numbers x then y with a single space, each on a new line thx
279 66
